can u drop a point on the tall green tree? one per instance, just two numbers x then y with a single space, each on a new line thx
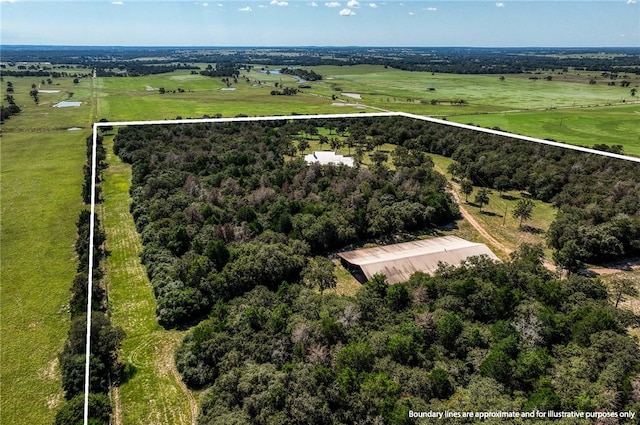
482 197
523 210
466 186
303 145
621 288
319 273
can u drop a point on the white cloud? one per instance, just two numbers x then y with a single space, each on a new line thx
7 1
431 9
632 1
500 4
347 12
332 4
113 2
244 9
205 4
279 3
353 3
373 5
411 13
262 6
313 4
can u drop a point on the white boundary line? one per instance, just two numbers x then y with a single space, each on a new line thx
275 118
90 277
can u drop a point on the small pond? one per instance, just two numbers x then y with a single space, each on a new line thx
67 104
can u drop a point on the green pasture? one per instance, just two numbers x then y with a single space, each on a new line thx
153 393
402 90
127 98
611 125
43 117
41 180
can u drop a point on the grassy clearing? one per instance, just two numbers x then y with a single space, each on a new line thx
40 182
497 218
154 394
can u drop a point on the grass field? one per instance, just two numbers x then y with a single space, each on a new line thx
612 125
127 98
563 109
41 180
396 89
154 394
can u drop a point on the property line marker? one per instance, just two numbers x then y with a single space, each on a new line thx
276 118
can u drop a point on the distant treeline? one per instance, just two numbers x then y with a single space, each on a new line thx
134 69
447 60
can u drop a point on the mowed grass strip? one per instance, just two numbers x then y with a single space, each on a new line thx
41 183
153 394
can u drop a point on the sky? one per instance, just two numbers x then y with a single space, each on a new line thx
480 23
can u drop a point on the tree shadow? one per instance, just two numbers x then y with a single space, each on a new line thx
490 214
531 229
508 197
129 370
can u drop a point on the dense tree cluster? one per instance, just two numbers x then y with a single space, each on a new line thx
286 91
486 336
223 208
223 69
11 109
307 75
101 155
105 367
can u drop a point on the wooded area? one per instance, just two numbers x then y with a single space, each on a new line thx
229 216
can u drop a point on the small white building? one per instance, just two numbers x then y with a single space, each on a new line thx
328 157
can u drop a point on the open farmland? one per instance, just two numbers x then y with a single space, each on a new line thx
128 98
610 125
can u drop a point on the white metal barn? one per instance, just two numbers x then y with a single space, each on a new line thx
328 157
399 261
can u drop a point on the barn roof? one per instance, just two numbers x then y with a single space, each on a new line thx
399 261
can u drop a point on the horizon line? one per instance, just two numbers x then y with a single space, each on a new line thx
312 46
